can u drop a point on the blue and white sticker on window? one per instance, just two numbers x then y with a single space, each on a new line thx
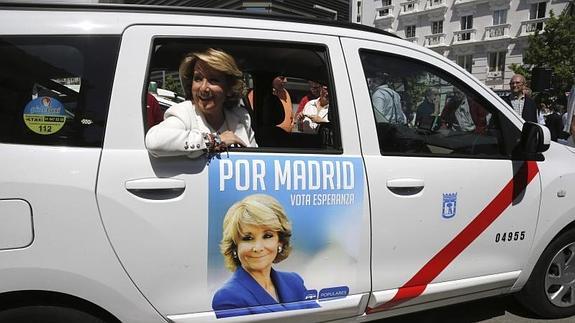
44 115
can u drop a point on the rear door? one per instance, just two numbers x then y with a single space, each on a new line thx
452 212
164 215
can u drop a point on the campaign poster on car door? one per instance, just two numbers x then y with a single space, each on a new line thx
284 232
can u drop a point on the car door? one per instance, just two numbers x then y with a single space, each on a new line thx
164 215
452 212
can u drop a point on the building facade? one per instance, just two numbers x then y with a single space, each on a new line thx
483 36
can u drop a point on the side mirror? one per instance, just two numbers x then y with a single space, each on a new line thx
535 139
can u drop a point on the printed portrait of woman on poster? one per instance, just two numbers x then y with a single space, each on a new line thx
256 234
284 234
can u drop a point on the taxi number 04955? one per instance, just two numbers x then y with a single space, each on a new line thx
510 236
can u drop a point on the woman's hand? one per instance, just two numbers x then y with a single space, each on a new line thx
229 138
299 117
316 118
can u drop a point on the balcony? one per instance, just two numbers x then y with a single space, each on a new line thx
466 7
412 39
458 3
464 36
528 27
436 7
434 4
409 7
385 13
497 32
435 40
495 75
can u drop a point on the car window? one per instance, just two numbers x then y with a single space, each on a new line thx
420 110
55 90
281 122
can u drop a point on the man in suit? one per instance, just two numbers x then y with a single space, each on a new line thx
520 102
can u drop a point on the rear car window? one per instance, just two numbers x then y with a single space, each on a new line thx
56 90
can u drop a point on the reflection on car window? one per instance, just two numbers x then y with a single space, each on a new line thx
281 79
420 110
55 90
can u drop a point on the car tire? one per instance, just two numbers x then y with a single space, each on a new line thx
550 290
47 314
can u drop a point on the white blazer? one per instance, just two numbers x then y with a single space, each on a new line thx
183 129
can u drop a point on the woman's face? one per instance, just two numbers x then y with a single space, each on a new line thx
257 248
209 88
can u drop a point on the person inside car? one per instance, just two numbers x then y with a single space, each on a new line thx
314 113
457 115
314 89
386 102
211 119
428 108
279 90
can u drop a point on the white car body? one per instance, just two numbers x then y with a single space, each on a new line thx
71 224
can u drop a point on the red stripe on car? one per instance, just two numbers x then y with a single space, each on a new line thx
417 284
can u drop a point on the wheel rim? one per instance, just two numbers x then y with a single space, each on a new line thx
560 277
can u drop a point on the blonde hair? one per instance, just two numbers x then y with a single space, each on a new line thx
220 61
260 210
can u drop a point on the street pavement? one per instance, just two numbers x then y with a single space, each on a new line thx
489 310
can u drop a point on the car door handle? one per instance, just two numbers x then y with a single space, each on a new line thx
156 188
405 186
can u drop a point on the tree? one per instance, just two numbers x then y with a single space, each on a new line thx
521 69
554 47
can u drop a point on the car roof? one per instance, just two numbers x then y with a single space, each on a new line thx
183 10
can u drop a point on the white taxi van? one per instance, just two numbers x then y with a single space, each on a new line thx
423 189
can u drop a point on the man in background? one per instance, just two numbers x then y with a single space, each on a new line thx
521 103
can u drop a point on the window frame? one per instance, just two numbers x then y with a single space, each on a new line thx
437 27
91 108
509 133
538 10
410 31
466 22
499 17
499 64
226 43
467 62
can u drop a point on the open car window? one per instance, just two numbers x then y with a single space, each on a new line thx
274 119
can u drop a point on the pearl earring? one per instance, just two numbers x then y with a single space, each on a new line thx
235 254
280 249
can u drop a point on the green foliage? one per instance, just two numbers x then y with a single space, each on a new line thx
414 90
173 84
554 47
521 69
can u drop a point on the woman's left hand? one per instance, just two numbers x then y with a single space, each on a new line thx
229 138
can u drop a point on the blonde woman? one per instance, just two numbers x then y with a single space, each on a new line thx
211 119
256 234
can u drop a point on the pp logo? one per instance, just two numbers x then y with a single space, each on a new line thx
310 294
449 205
